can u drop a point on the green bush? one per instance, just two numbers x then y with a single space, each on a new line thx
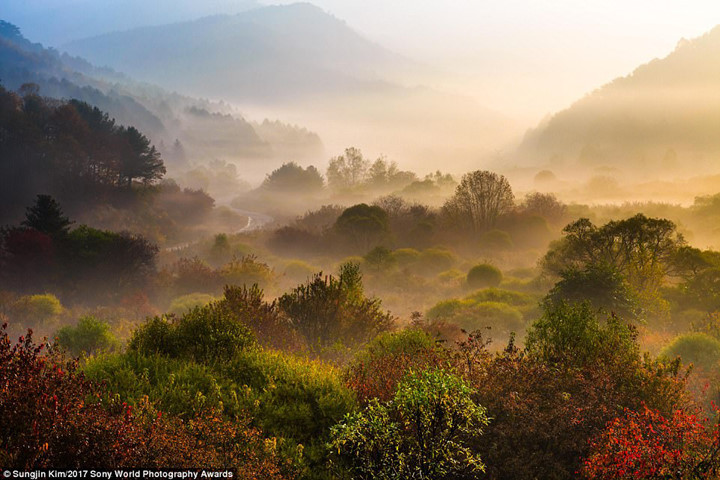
293 399
298 271
380 259
499 316
185 303
469 314
204 334
572 335
408 341
516 299
89 336
423 433
247 270
406 257
435 260
484 275
36 310
496 241
176 386
700 349
446 309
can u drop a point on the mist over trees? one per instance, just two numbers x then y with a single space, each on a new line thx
183 287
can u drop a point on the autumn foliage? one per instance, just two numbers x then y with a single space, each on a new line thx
51 416
647 445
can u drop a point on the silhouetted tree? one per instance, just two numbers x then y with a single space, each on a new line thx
363 225
47 217
139 159
480 198
291 177
348 170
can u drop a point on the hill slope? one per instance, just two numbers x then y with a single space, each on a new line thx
666 114
207 130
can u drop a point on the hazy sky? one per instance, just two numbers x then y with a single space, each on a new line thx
524 57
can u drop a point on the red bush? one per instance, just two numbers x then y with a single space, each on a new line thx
646 445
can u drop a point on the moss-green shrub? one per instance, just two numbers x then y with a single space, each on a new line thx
185 303
435 260
293 399
405 257
496 241
174 385
36 310
484 275
205 334
446 309
298 271
510 297
497 315
89 336
698 348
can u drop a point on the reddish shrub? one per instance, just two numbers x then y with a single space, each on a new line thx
647 445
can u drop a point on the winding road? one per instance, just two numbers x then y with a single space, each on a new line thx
256 221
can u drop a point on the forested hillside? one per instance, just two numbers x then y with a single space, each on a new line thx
207 130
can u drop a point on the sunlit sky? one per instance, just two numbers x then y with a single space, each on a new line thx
529 57
525 58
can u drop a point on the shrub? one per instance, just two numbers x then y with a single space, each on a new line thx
435 260
516 299
36 310
648 445
298 271
247 305
500 316
193 275
470 315
326 310
422 433
380 259
89 336
248 271
572 335
378 368
294 399
484 275
406 257
181 305
206 334
496 241
698 348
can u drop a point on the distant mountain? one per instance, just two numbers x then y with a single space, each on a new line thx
55 22
273 55
206 130
303 63
665 114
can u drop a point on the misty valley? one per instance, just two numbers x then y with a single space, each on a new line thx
248 239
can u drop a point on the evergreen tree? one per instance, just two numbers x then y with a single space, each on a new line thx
47 217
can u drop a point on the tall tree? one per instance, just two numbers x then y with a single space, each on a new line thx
139 159
47 217
644 250
480 198
347 170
